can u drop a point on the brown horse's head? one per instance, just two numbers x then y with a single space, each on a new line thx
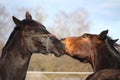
98 50
84 47
35 38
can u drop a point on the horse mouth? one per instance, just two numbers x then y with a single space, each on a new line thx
55 53
52 53
58 53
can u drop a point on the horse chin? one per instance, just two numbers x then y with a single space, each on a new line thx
83 60
57 54
45 53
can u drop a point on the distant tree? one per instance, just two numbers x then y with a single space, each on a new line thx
71 24
4 26
40 15
4 23
37 13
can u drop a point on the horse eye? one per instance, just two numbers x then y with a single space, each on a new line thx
83 36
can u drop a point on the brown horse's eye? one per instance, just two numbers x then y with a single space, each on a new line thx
83 36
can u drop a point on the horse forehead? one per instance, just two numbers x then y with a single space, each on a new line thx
92 37
32 27
33 23
87 39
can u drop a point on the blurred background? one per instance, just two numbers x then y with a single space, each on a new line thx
63 18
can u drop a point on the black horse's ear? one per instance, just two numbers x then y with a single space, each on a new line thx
103 35
28 16
17 22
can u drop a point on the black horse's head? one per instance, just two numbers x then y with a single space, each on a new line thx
35 37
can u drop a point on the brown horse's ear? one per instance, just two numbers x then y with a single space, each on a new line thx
17 22
115 40
103 35
28 16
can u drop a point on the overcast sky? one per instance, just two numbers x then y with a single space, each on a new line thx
103 14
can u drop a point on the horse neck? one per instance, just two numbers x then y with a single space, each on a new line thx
104 59
15 60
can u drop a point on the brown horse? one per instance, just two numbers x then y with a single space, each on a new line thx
98 50
28 37
105 74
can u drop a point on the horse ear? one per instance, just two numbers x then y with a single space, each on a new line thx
28 16
17 21
115 40
103 34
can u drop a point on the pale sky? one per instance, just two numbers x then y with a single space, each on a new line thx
103 14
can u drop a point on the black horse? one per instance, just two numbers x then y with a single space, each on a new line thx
28 37
99 50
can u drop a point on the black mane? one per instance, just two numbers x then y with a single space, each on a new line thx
9 40
112 46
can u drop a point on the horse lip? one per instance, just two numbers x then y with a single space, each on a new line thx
58 55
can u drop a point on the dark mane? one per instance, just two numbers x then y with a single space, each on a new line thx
112 45
11 37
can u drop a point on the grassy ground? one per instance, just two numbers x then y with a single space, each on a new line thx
40 62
